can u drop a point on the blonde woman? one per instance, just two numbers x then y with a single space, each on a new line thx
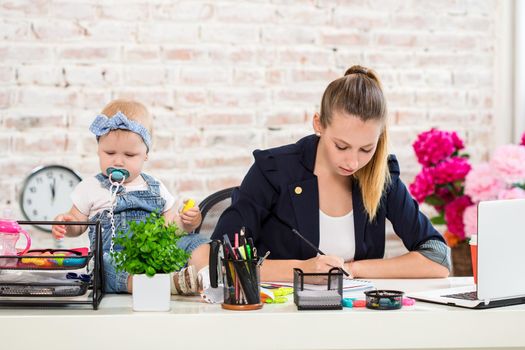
336 188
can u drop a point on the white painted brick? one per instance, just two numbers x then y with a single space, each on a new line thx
167 33
246 13
111 31
141 53
57 31
289 35
84 75
31 119
23 8
6 98
361 20
46 97
184 54
154 75
39 75
89 54
214 75
15 30
72 10
306 56
7 75
131 11
230 34
304 15
182 11
25 53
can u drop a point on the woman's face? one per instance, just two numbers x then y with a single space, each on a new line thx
348 143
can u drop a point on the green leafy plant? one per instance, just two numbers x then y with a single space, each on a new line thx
150 247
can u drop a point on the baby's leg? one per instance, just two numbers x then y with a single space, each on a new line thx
200 257
190 279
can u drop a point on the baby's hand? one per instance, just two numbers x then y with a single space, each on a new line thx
59 231
191 218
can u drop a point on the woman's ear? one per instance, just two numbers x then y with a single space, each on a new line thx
317 124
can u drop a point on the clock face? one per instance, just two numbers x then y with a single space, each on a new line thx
46 193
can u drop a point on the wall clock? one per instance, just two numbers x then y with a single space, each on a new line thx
46 193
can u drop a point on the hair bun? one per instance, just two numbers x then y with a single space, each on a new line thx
356 70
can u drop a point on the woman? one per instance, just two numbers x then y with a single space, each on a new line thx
336 188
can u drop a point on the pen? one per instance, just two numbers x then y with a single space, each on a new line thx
261 259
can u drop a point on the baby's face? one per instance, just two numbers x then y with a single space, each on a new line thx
122 149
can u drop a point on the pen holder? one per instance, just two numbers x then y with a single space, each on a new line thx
328 297
241 285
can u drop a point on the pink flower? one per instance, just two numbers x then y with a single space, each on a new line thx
513 193
508 162
481 184
423 185
454 215
450 170
523 139
470 220
434 145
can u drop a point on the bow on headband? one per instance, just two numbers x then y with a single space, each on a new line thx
102 125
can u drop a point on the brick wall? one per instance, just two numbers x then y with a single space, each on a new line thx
225 77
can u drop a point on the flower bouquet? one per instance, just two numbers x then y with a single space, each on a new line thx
502 177
440 183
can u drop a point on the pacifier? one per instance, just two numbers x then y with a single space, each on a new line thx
117 175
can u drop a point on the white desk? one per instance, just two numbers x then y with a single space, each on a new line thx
193 324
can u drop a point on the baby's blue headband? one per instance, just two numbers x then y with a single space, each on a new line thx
102 125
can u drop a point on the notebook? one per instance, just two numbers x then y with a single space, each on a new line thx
501 266
349 285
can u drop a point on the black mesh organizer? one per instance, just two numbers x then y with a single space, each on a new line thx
34 265
323 297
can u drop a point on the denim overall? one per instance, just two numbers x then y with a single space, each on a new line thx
131 206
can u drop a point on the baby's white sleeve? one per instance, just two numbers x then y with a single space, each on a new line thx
164 193
81 195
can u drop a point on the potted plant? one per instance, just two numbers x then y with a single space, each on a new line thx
150 253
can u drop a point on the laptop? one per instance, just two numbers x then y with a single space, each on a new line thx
501 266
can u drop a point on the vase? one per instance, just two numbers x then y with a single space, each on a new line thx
151 293
461 261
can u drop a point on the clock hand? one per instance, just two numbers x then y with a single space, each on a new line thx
53 189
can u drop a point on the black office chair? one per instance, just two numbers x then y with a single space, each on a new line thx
211 208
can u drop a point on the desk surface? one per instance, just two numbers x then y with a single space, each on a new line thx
194 324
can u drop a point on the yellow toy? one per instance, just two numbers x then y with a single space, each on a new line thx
190 203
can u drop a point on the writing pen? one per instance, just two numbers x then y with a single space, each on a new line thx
305 240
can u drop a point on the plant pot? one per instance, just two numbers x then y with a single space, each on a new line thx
151 293
461 261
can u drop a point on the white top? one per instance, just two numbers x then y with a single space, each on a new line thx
90 198
337 235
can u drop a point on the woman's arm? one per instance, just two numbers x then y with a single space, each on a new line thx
416 232
410 265
282 270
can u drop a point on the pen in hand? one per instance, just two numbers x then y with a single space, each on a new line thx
317 249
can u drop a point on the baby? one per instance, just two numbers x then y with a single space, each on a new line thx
123 132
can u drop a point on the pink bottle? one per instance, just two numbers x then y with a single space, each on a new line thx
9 235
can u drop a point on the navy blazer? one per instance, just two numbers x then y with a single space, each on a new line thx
268 189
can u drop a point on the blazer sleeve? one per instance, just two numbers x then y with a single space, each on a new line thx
251 201
412 226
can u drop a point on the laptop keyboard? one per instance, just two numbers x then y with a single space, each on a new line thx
464 296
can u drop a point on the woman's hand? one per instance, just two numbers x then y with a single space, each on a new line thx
320 264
